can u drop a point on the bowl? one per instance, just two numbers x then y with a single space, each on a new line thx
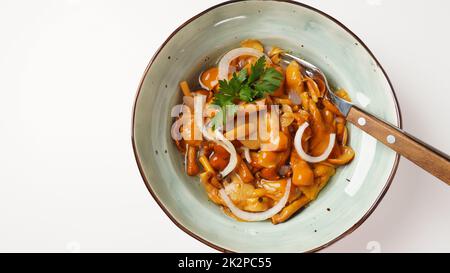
351 195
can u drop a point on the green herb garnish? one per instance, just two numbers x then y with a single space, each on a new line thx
245 87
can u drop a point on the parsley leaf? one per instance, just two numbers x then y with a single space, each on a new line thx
242 75
228 92
246 94
269 81
245 87
257 69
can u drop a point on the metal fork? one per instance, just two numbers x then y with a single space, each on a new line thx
425 156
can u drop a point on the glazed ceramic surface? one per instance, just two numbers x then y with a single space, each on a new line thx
350 195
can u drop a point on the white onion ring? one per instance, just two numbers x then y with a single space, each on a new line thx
305 156
224 63
227 145
218 137
247 154
256 216
201 83
207 134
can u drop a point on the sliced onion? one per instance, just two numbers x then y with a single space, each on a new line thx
215 136
208 133
256 216
224 63
231 70
235 176
247 154
301 152
227 145
294 97
201 83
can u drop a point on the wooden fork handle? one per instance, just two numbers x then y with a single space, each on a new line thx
428 158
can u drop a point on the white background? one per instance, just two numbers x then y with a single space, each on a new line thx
68 76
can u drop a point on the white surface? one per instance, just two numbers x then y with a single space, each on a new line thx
68 75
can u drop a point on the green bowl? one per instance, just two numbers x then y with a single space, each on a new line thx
351 195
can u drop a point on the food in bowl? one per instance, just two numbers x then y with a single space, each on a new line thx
263 138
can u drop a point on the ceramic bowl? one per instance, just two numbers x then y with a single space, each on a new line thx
351 195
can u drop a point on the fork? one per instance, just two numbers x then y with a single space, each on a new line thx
423 155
